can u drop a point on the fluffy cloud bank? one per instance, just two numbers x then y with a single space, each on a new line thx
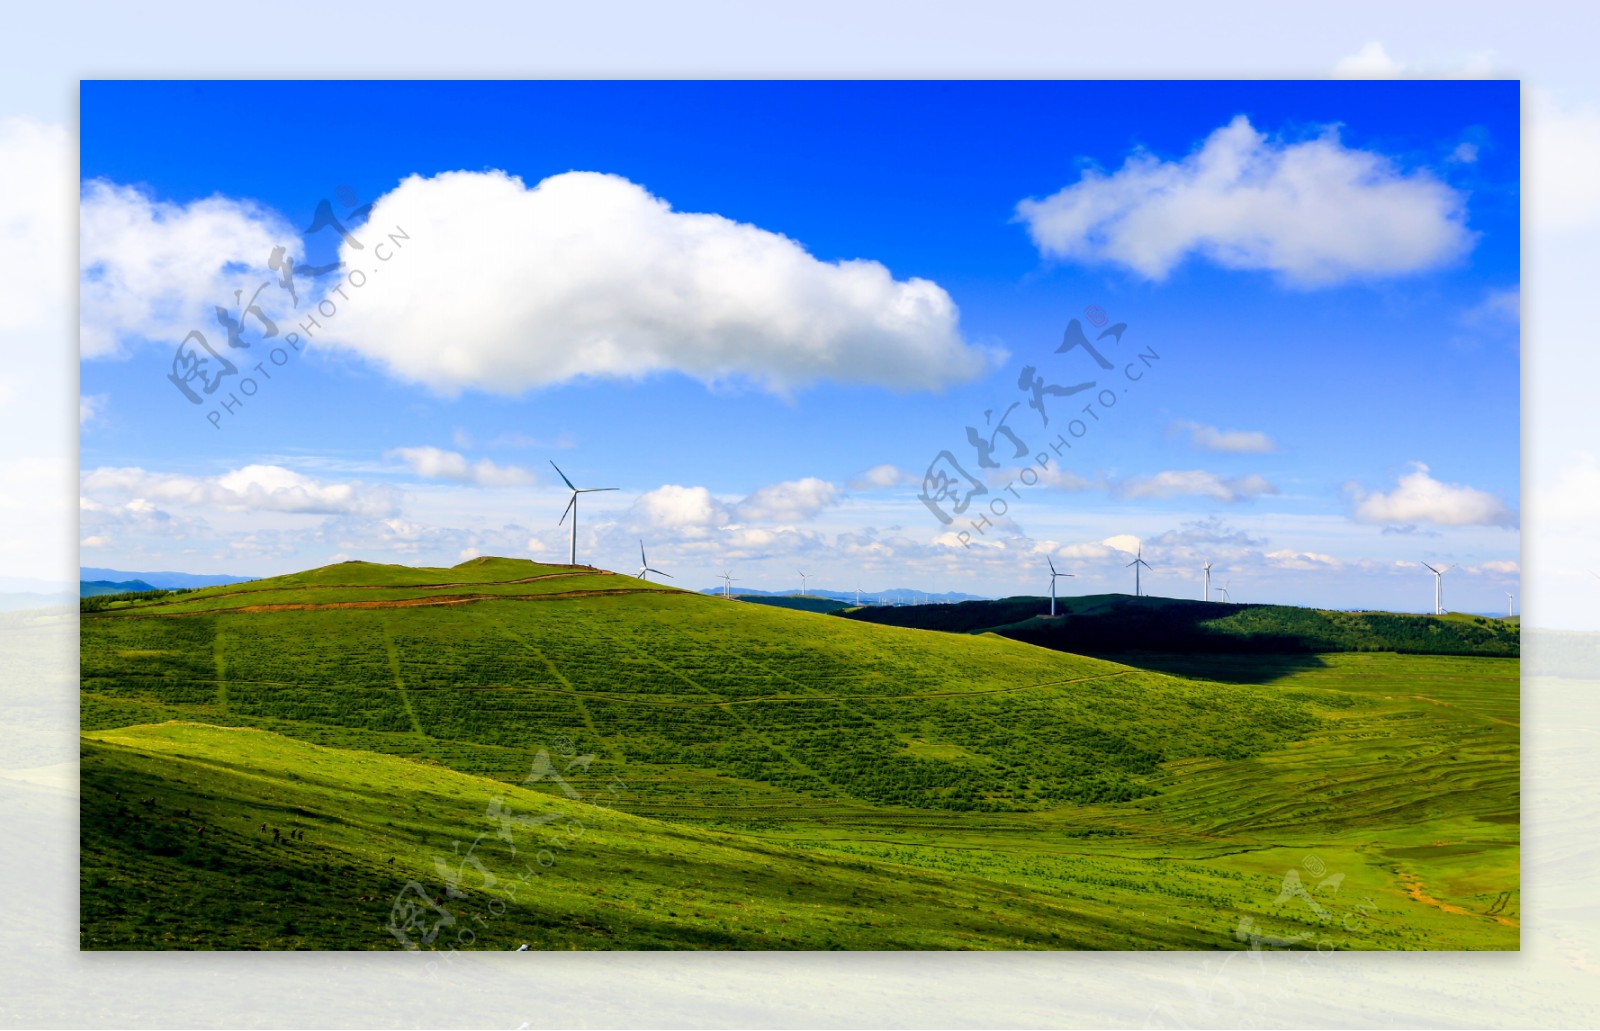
1419 498
433 463
690 508
259 488
153 270
1316 213
503 287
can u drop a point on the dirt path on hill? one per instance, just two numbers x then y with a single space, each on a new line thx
395 587
402 603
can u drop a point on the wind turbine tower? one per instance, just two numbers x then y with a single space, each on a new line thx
572 507
1438 587
1136 563
1509 610
1223 590
727 583
1207 568
802 583
644 566
1053 576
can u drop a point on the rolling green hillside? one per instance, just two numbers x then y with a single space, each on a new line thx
745 776
1114 624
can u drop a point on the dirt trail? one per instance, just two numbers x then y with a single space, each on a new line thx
401 603
392 587
1418 891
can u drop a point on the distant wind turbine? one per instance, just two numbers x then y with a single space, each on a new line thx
1438 587
572 506
727 583
858 594
1053 577
802 583
644 566
1207 568
1136 563
1509 612
1223 590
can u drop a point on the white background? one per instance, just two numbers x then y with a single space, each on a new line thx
1554 981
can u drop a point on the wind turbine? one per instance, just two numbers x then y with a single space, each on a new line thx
1224 590
1136 563
802 583
644 566
858 594
727 579
1438 587
1509 612
1053 576
572 506
1207 568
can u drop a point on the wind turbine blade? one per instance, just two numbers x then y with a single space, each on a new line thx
563 476
596 490
658 572
642 560
1052 565
568 509
1431 569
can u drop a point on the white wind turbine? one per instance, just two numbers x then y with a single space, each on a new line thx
1207 568
858 594
644 566
1509 610
1053 577
572 506
1136 563
727 583
1438 587
1223 590
803 577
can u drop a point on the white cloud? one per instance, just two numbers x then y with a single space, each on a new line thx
154 270
94 541
1370 62
880 477
1124 542
1466 153
259 488
1317 213
1419 498
674 507
504 288
91 407
792 501
1181 483
1501 568
437 464
1498 305
1302 560
1209 438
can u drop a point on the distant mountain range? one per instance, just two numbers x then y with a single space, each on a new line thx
91 588
156 581
896 596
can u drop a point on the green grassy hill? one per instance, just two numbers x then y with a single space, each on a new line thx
674 770
1114 624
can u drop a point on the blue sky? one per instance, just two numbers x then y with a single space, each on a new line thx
1328 270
